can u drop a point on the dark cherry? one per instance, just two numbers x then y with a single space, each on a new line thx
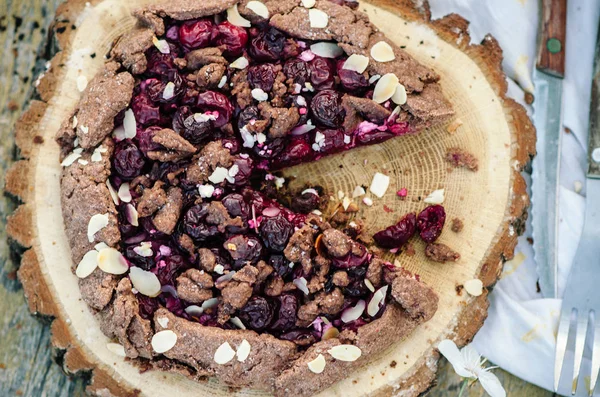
145 262
301 337
236 206
160 64
232 38
155 88
295 152
196 34
327 108
334 141
244 171
144 139
250 251
397 235
371 137
351 81
297 70
169 268
321 73
257 314
172 33
186 125
262 76
247 115
430 223
280 264
145 111
128 161
147 306
276 232
267 45
270 149
351 260
285 318
194 224
215 101
305 203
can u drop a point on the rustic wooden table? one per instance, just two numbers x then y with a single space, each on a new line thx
27 362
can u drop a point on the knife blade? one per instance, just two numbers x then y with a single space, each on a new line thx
548 78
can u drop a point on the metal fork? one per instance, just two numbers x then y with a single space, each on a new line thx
582 295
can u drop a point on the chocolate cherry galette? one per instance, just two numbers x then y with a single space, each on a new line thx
190 248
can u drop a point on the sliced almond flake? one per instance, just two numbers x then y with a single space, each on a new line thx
219 269
206 191
385 88
96 156
84 129
70 159
369 285
327 50
258 8
237 322
436 197
223 81
243 350
117 349
354 313
309 190
169 91
82 83
100 246
358 191
144 249
83 162
279 182
309 3
212 302
145 282
234 18
399 97
112 261
453 126
377 301
316 212
346 203
129 124
220 174
163 321
382 52
164 341
317 365
194 310
161 45
125 193
347 139
330 333
374 78
318 19
357 63
380 184
240 63
261 138
345 352
341 194
96 223
224 354
368 201
74 124
474 287
113 193
88 264
132 215
302 285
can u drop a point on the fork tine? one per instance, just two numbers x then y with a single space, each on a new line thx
581 332
595 358
561 345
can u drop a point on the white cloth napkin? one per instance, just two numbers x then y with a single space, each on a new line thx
519 334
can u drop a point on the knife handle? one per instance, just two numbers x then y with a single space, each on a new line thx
594 138
553 35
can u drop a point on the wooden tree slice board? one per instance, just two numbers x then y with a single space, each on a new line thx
492 202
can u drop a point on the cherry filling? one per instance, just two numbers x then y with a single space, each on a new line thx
225 254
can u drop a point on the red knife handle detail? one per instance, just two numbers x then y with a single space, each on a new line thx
553 37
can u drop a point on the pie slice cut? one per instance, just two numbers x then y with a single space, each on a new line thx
190 248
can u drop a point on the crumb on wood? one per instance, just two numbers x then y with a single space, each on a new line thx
530 240
461 158
38 139
453 126
459 290
457 225
441 253
529 98
12 105
393 364
568 130
410 250
12 275
538 289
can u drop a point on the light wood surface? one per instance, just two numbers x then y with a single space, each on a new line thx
19 370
